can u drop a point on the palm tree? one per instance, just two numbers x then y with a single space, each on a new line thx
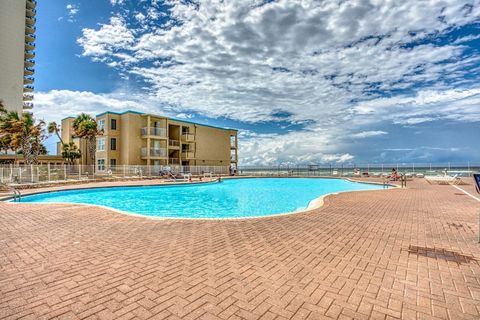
5 143
24 132
85 127
70 152
54 128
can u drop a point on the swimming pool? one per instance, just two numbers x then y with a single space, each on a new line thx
231 198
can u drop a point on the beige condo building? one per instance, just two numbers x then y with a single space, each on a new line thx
134 138
17 53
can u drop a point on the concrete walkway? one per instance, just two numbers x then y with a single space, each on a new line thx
401 253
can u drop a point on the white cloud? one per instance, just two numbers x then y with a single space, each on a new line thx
69 103
425 106
72 11
247 60
115 2
109 39
367 134
324 63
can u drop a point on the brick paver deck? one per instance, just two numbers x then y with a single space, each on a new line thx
379 254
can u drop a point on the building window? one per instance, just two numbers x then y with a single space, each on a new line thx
113 162
101 164
113 124
101 144
113 144
101 124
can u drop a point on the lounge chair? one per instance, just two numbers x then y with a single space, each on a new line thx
443 180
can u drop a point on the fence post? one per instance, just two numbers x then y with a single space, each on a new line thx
31 173
11 172
124 170
79 172
48 172
19 173
65 171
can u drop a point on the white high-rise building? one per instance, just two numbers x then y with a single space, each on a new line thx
17 53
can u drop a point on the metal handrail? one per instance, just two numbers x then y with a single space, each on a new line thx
17 196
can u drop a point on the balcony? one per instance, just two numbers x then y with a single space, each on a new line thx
28 80
29 63
30 21
28 72
31 4
188 137
156 132
174 143
30 30
29 55
28 89
30 38
27 105
29 46
173 161
31 13
188 155
154 152
233 158
27 97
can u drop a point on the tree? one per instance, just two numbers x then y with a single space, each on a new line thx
23 133
85 127
54 128
70 152
5 143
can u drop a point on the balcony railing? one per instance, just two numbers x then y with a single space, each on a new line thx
188 137
27 105
30 30
28 80
30 21
173 161
29 63
233 158
31 4
188 154
31 12
173 143
27 97
154 152
29 46
29 55
158 132
28 89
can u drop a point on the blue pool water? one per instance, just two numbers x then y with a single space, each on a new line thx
232 198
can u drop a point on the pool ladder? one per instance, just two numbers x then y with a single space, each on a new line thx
17 196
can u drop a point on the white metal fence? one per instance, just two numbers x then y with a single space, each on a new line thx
348 170
32 174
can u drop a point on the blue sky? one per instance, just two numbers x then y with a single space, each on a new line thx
311 82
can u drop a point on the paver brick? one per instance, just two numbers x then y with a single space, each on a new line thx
399 253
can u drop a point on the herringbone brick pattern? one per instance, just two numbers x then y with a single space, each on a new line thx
408 254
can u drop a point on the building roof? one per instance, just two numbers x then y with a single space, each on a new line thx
155 115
